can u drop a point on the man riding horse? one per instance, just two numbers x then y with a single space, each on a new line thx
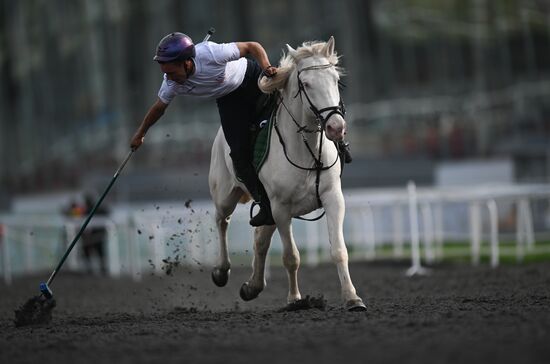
219 71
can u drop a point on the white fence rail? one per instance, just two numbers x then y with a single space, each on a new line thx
410 220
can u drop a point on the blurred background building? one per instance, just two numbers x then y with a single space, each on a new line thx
429 82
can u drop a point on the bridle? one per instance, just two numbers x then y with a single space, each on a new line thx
302 130
321 120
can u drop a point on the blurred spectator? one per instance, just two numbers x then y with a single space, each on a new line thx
93 238
74 210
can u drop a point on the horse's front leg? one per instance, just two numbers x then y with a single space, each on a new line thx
335 209
291 255
256 283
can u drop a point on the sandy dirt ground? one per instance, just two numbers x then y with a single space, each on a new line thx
458 314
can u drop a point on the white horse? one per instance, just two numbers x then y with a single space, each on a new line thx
310 116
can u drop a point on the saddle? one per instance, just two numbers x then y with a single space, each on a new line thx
260 129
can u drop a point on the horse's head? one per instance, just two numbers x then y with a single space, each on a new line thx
310 75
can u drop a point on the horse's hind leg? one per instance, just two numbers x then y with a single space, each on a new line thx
256 283
220 274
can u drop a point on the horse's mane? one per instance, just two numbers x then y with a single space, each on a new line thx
288 63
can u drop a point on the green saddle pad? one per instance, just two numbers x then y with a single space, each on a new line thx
261 146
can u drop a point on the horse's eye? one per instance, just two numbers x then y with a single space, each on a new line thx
305 84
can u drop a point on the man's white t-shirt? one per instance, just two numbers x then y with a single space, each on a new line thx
219 69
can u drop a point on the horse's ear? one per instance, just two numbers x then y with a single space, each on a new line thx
329 47
291 51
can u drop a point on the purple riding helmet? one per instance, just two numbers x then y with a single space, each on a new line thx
175 47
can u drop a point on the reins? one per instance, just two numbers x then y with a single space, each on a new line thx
302 130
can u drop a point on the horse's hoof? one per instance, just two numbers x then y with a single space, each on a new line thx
248 293
356 305
220 276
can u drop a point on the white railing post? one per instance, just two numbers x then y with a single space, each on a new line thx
524 228
439 232
6 259
28 243
493 214
267 268
312 244
427 222
158 248
324 241
72 259
520 231
416 267
529 226
113 256
398 236
475 230
368 228
133 249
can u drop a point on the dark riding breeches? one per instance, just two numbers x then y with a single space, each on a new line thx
238 112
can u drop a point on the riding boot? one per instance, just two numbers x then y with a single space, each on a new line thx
246 174
264 216
344 151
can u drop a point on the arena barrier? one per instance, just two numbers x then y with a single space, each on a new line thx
412 223
468 214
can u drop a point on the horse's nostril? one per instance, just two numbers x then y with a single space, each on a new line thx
332 129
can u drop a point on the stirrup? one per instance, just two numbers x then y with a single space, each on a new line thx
262 217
